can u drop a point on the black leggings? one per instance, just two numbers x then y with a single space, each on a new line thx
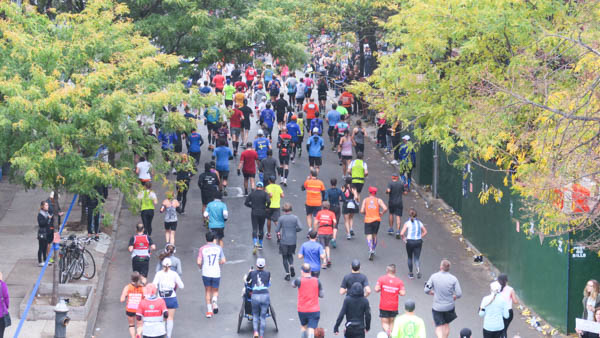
42 250
507 321
288 259
492 334
258 226
182 197
147 216
93 221
413 252
2 328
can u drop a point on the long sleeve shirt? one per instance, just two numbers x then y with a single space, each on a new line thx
493 312
5 301
445 286
356 310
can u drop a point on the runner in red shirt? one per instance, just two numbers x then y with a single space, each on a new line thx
327 223
250 74
309 292
236 128
153 311
390 287
240 85
248 163
219 82
310 108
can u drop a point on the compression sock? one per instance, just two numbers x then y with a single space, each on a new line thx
209 307
255 240
235 146
374 244
280 171
169 328
286 172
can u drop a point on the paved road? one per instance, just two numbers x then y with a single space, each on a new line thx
190 320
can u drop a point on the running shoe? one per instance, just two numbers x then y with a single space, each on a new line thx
391 231
209 315
225 192
40 264
269 235
351 232
411 275
333 243
215 306
287 277
292 271
328 264
398 235
348 236
371 255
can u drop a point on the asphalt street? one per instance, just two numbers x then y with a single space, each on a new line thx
190 318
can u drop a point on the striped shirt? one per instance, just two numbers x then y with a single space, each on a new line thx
414 229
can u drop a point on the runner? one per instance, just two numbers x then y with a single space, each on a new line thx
314 197
313 253
275 194
140 246
133 293
350 207
259 281
309 292
355 276
169 207
308 81
223 134
148 201
144 170
407 161
247 111
317 123
390 287
258 201
240 88
494 309
169 252
334 196
291 84
194 143
322 89
409 325
228 90
248 163
373 208
152 310
267 75
342 110
395 189
210 259
235 120
217 214
205 90
332 118
358 137
280 107
208 182
250 74
347 101
268 167
261 145
310 108
445 289
285 144
167 281
358 170
300 121
287 227
326 222
222 154
412 234
357 311
219 82
340 129
267 119
345 150
300 94
274 87
314 147
212 117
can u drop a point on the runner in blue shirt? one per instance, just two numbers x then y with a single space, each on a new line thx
261 144
313 253
267 117
315 145
294 130
216 213
194 144
212 116
317 123
332 118
223 155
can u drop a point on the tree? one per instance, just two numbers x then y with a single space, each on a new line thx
72 85
508 85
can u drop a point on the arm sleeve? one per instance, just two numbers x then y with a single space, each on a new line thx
5 295
179 269
296 283
428 285
340 317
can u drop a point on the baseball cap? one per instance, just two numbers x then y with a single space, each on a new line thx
465 333
355 264
260 262
409 305
315 130
372 190
166 261
406 137
260 184
260 132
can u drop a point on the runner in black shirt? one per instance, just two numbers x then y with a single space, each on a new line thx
353 277
280 107
247 111
208 182
395 189
258 201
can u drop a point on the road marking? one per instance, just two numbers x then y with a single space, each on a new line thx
239 190
236 261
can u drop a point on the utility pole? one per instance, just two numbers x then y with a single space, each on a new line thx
434 188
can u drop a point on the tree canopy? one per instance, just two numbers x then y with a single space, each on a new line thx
508 85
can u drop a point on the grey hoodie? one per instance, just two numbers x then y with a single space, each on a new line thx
445 286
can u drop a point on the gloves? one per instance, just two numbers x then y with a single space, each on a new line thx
239 172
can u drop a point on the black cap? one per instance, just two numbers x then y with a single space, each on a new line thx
355 264
465 333
409 305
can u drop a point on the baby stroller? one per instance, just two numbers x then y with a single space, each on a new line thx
246 310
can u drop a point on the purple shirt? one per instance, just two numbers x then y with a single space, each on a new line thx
4 302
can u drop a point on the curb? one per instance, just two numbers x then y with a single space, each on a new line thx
93 316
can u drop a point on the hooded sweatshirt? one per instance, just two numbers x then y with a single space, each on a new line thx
356 309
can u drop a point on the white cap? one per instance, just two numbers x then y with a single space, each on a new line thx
260 262
315 130
406 137
495 287
166 261
260 132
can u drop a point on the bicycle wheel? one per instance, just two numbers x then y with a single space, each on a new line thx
77 265
89 264
62 268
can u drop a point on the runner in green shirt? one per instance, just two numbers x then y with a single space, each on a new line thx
408 325
228 90
341 109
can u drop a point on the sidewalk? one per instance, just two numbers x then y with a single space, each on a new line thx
18 226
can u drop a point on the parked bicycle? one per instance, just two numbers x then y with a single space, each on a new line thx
75 260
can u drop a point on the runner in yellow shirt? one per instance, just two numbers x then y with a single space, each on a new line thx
276 194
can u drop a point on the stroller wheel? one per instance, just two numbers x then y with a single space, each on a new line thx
274 317
240 316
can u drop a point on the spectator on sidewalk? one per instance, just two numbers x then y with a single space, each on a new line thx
45 232
4 304
445 289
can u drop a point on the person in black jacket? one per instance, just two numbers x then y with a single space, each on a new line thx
184 175
357 311
208 182
45 232
258 201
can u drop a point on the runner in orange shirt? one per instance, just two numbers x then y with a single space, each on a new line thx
372 207
310 108
347 100
315 190
133 293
